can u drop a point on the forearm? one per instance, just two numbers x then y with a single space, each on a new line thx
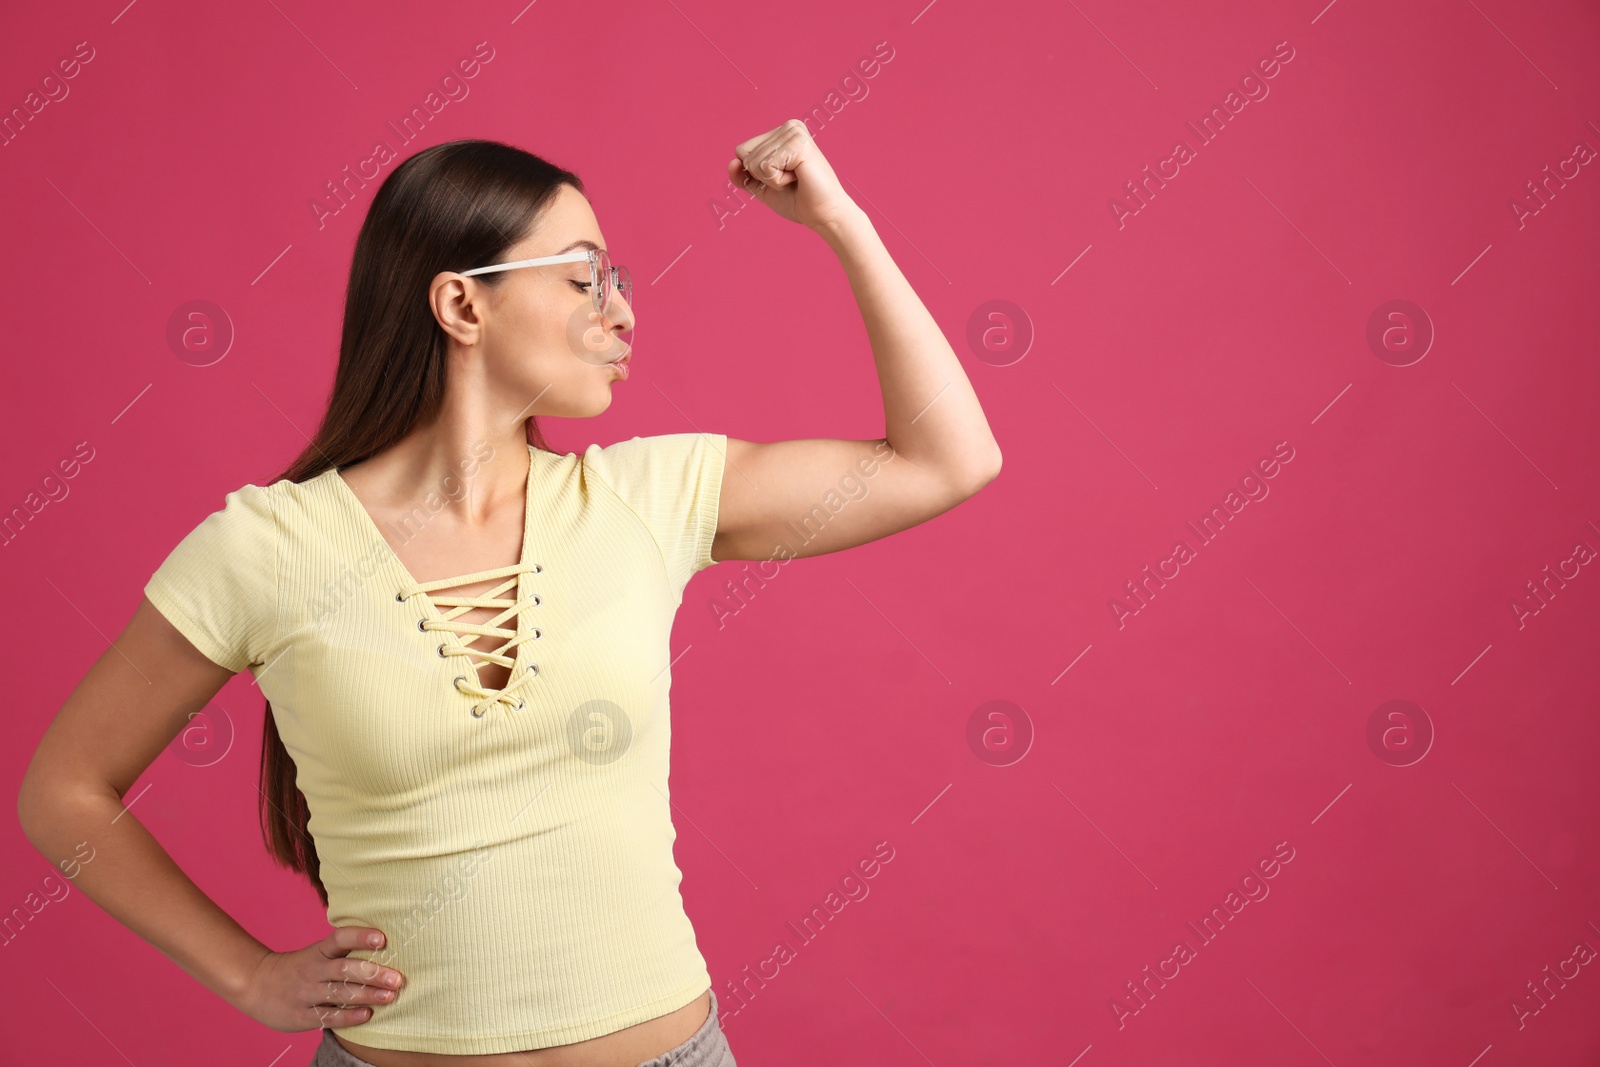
133 879
931 413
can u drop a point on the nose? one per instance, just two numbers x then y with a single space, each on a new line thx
619 311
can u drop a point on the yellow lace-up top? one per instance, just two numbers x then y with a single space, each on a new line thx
516 844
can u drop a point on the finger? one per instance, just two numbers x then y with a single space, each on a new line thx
784 157
333 1018
744 148
346 939
336 993
774 169
365 972
759 148
783 166
776 161
745 180
740 175
756 184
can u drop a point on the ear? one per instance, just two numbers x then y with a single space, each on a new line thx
456 304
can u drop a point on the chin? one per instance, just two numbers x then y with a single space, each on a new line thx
601 401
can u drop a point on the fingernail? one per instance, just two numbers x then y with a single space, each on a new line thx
374 940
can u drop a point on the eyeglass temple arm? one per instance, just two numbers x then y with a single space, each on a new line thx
570 257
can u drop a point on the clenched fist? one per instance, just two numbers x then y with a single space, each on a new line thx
786 171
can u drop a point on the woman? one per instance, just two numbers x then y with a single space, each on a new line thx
463 635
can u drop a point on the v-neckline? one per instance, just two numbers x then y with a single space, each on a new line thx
372 527
364 518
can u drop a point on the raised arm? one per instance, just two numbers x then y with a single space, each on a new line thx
820 495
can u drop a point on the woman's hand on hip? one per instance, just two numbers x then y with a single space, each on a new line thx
785 170
319 986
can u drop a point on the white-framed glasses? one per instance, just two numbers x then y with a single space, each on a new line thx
604 277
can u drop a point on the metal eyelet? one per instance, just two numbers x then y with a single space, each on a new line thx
400 597
538 569
459 679
422 624
537 633
441 650
520 704
533 668
477 711
537 600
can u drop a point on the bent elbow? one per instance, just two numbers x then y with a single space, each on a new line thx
983 474
994 467
38 803
28 811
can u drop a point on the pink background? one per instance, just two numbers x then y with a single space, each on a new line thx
1230 313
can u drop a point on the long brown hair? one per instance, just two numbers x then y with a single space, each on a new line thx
454 206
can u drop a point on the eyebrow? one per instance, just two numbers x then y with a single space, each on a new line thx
580 244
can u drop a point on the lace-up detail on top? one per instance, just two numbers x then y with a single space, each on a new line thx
506 625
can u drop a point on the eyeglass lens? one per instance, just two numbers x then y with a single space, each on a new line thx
608 277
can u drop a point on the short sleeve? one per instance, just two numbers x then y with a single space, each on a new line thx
673 483
219 586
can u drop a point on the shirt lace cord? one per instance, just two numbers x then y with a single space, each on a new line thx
502 596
